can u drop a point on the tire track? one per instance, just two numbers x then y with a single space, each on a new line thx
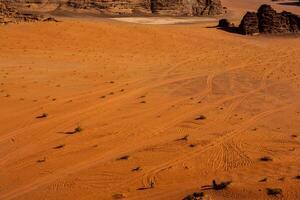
152 173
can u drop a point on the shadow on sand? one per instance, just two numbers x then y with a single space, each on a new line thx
227 29
67 132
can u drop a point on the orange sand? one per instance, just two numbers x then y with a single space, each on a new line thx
135 90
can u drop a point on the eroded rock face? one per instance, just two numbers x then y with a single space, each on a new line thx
267 20
9 14
133 7
249 24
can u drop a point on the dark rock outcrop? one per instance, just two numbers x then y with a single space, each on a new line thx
225 23
267 20
249 24
129 7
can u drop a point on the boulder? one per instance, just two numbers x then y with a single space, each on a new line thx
224 23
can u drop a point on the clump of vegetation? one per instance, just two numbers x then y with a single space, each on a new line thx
44 115
201 117
59 146
222 185
136 169
294 136
217 186
266 159
263 180
184 138
126 157
224 23
41 160
118 196
297 177
78 129
194 196
152 184
274 191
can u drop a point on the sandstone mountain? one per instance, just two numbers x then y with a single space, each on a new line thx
126 7
267 20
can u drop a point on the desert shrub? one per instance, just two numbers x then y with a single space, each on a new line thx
184 138
136 169
78 129
263 180
126 157
222 185
265 158
224 23
42 115
200 117
59 146
41 160
195 196
274 191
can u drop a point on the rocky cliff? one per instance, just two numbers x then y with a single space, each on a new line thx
10 14
128 7
267 20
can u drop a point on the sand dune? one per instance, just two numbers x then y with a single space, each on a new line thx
137 92
165 20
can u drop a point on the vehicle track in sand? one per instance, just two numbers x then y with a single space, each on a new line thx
149 176
102 158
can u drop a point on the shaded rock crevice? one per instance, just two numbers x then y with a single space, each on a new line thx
153 6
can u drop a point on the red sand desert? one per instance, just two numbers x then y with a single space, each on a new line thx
135 94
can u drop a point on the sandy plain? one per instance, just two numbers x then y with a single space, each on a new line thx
137 92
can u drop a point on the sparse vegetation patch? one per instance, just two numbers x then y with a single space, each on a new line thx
274 191
126 157
265 159
200 117
44 115
195 196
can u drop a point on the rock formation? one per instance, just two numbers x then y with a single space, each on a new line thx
249 24
9 14
225 23
267 20
130 7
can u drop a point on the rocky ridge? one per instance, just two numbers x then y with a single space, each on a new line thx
129 7
9 14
